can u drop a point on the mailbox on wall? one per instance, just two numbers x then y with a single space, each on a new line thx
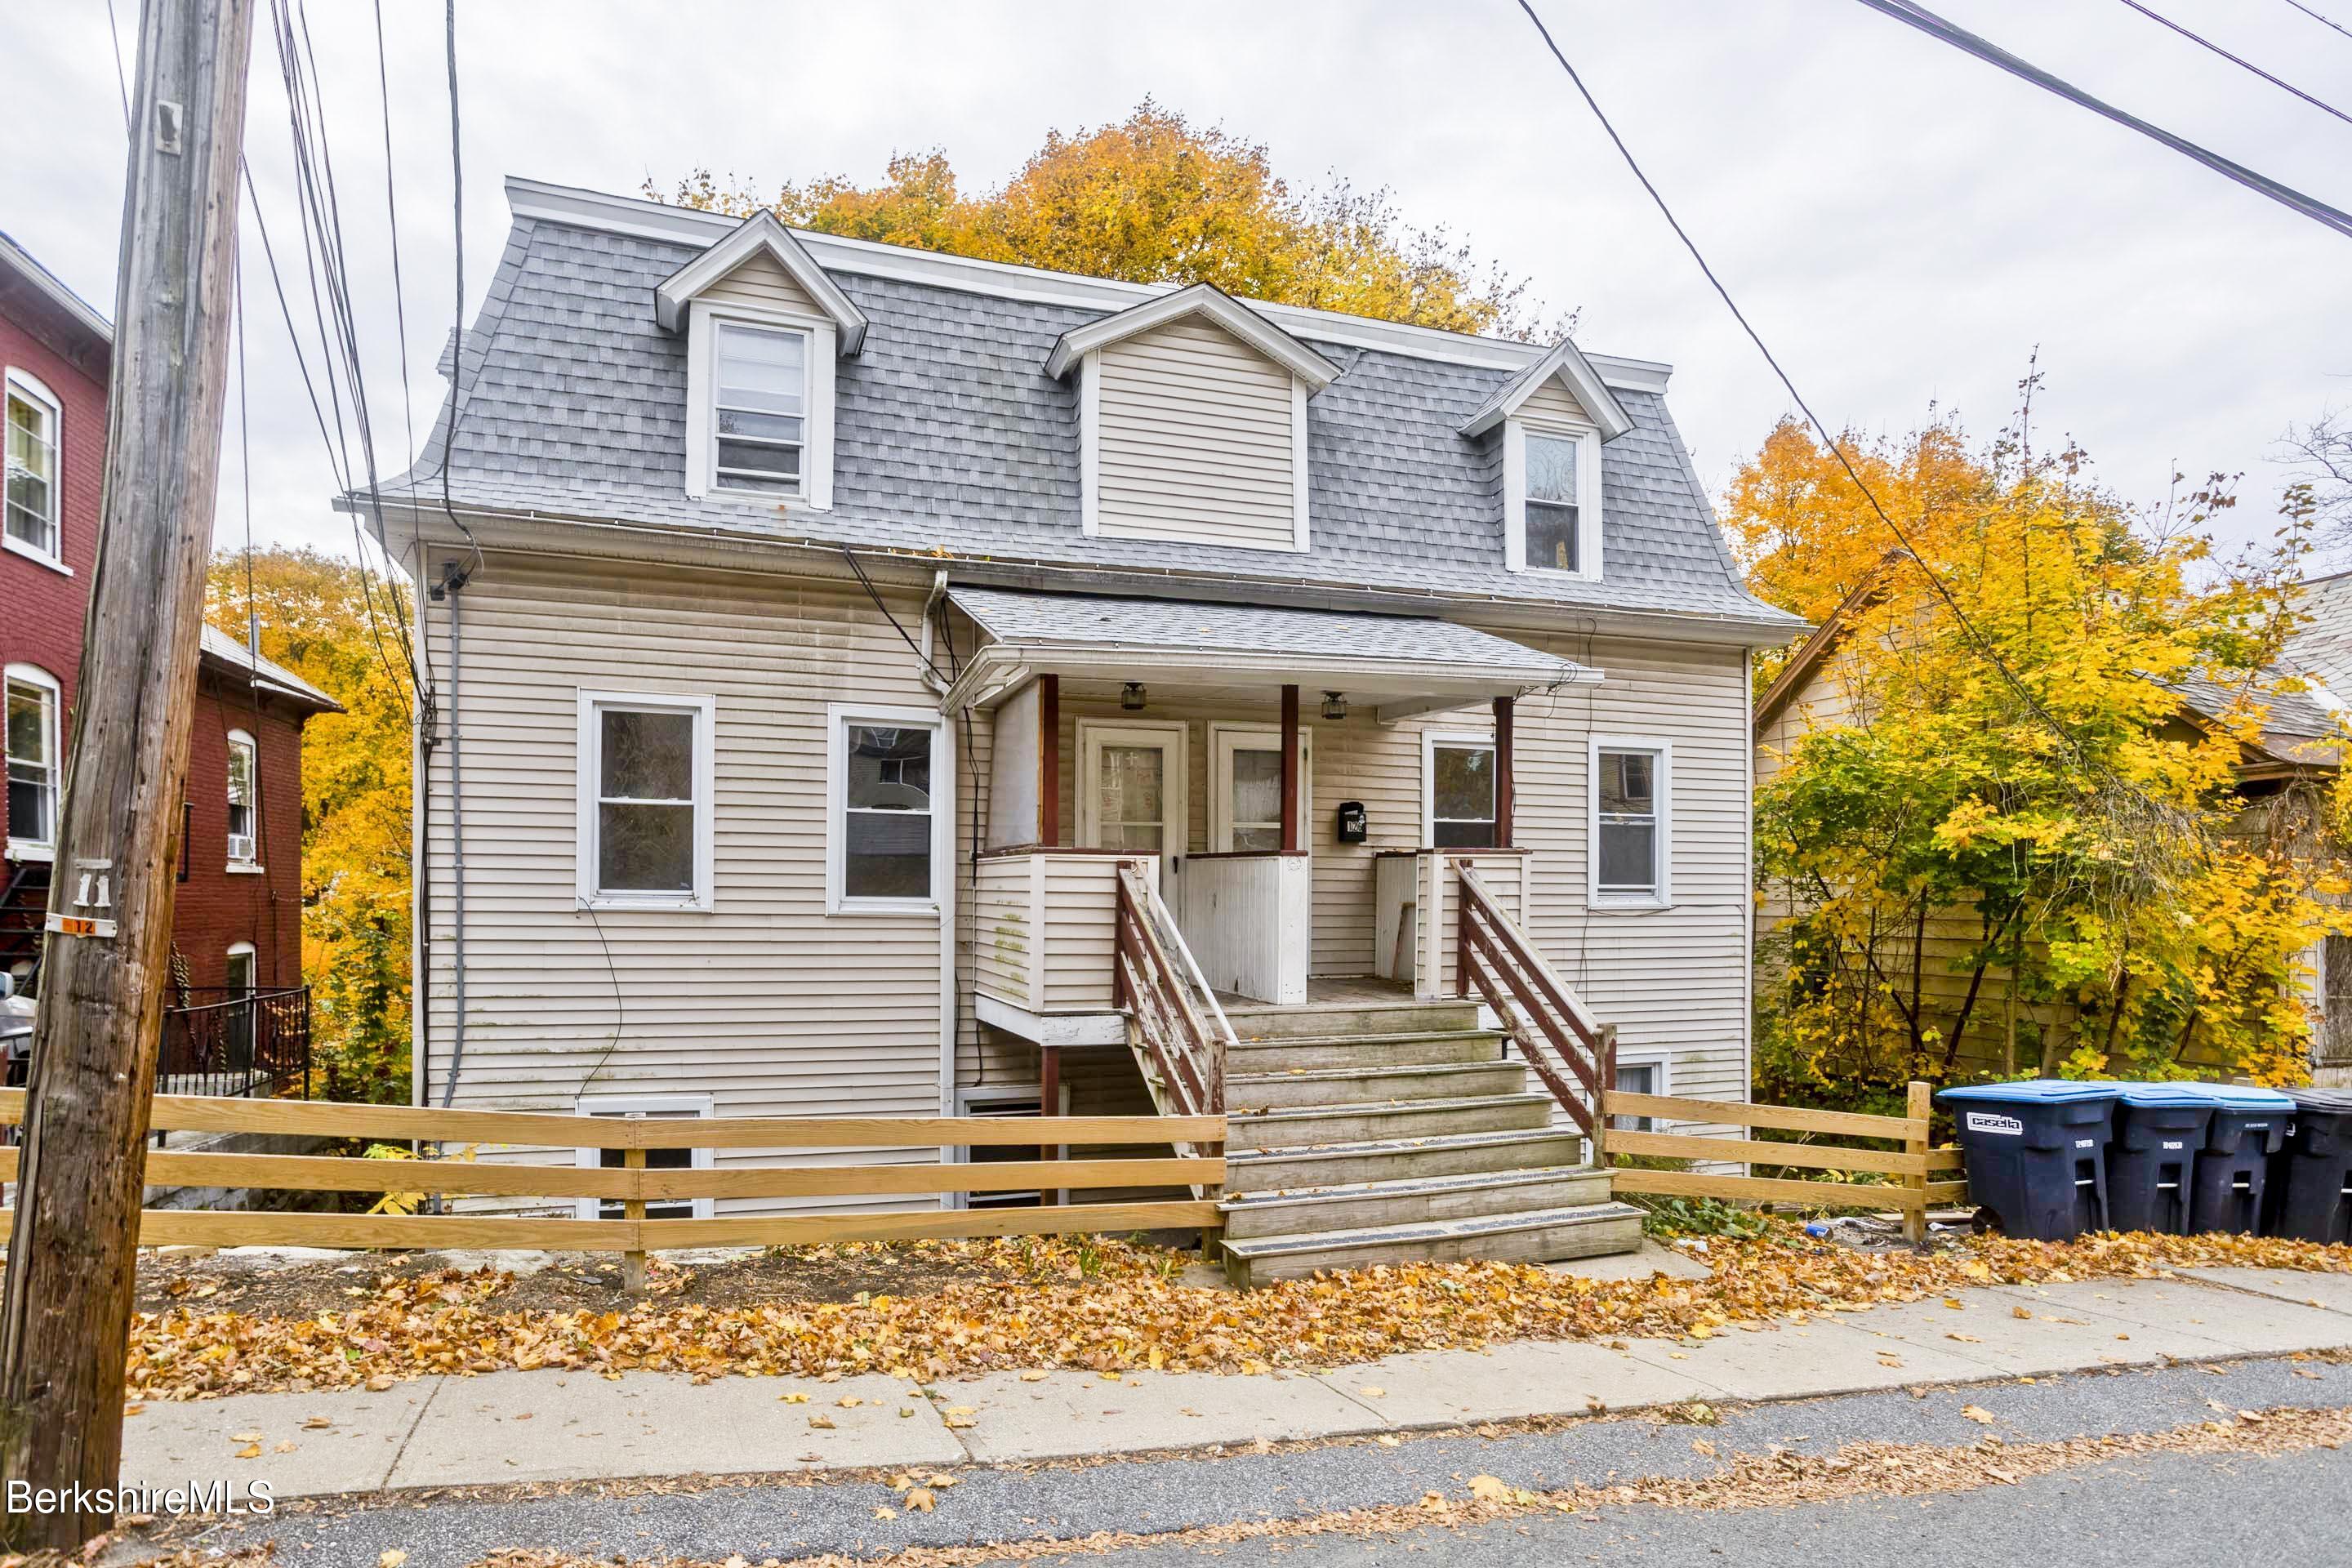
1352 826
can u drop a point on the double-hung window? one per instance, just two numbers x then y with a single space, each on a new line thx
1460 793
1630 841
646 779
244 802
35 766
759 414
32 525
1555 524
890 812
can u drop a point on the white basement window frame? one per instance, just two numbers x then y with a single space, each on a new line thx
244 790
938 792
1619 891
652 1108
33 708
1525 493
1004 1099
32 500
593 707
1657 1064
708 409
1433 741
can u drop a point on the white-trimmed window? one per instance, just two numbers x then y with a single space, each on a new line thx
36 763
1641 1072
1006 1099
34 508
1631 850
1457 790
1551 498
759 392
244 802
645 778
649 1108
890 813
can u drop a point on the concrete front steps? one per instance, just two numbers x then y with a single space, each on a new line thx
1393 1132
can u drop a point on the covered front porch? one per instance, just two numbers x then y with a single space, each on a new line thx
1298 787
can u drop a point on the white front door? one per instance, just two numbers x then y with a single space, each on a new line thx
1245 786
1131 790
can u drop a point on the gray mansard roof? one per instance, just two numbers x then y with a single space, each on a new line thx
949 436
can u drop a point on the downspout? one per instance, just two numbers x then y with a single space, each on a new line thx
453 581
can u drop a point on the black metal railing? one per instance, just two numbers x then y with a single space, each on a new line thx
216 1040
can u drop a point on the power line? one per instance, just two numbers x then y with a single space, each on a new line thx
121 79
2320 19
2318 104
458 332
1935 26
1991 656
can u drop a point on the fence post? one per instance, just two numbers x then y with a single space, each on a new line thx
632 1209
1915 1143
1607 1072
1461 926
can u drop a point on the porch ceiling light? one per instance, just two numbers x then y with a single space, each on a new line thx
1130 697
1335 705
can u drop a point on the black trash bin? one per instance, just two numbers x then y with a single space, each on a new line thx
2233 1165
2311 1179
2036 1154
2159 1128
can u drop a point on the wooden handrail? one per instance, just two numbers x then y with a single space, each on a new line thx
1556 1034
1178 1023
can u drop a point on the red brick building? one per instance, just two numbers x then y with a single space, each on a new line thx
238 920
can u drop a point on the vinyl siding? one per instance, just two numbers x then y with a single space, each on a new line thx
1553 404
765 1003
762 280
1196 440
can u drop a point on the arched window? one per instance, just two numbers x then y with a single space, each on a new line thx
35 765
244 804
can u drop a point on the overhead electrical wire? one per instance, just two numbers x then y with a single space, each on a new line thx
2319 103
2320 19
1983 646
423 672
458 332
1935 26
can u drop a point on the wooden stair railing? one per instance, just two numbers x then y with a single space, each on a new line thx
1555 1032
1181 1036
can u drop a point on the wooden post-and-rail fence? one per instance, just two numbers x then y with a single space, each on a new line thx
633 1185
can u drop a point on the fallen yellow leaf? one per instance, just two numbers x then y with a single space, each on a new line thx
1979 1414
920 1499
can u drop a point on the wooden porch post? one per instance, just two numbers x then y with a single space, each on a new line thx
1290 824
1502 772
1049 1105
1049 759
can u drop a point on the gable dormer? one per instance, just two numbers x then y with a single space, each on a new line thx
764 327
1555 417
1192 422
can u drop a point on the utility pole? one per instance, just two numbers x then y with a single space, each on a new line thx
65 1315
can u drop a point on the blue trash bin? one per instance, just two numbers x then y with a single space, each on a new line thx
2151 1169
2233 1165
2310 1178
2036 1154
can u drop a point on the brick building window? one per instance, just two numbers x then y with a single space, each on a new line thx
31 461
244 802
35 766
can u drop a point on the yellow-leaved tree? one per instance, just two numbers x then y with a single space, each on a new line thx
2012 846
1154 199
322 620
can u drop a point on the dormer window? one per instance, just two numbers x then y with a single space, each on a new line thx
1554 527
763 326
760 415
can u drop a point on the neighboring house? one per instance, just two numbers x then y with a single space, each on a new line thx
815 625
2320 650
236 923
1823 686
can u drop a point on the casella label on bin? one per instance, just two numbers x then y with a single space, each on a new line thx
1986 1122
2172 1144
2086 1143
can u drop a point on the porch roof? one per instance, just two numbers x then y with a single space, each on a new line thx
1371 655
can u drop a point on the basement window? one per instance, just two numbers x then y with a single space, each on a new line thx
648 1106
645 812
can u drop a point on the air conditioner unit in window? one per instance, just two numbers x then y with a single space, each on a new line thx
240 849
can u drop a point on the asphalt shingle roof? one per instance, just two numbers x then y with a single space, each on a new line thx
949 435
1099 621
217 643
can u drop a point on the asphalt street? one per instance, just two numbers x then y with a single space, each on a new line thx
2293 1510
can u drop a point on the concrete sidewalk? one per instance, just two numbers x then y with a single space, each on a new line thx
556 1426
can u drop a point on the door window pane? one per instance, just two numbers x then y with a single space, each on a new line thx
1257 797
1131 810
1462 796
887 816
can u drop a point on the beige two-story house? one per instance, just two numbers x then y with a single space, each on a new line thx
874 681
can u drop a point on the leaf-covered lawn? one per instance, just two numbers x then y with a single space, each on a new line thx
1122 1307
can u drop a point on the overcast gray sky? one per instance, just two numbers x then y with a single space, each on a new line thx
1905 225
